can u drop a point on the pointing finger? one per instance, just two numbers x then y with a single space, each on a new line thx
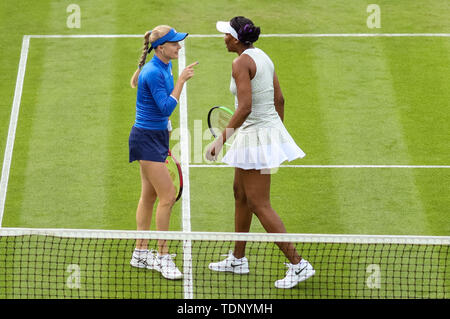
192 65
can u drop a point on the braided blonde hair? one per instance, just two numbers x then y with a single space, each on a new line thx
150 36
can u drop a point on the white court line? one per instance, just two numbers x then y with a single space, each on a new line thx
184 144
330 166
13 124
356 35
83 36
186 197
333 35
281 35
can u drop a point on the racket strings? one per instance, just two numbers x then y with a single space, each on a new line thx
219 121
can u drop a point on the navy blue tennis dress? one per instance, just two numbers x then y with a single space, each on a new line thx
149 137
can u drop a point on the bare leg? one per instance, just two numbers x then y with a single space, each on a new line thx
160 179
257 191
243 215
145 208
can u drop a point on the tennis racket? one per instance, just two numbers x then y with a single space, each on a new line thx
175 173
218 119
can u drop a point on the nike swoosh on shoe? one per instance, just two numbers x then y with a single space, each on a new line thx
299 271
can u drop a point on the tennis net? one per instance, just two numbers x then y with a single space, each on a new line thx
67 263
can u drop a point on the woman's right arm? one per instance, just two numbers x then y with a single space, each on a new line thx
167 103
241 75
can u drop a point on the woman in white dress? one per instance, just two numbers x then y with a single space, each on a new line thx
261 144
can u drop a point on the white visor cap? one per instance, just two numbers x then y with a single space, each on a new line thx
225 27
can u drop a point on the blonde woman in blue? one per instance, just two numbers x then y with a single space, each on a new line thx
157 98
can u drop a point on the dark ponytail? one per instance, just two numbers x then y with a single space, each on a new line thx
246 30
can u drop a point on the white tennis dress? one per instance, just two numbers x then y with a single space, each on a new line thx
262 142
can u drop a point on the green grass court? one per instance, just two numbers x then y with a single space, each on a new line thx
349 101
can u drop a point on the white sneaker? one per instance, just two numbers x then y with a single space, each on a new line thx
295 274
145 259
231 264
168 268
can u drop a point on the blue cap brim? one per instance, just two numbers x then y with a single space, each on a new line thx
179 36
